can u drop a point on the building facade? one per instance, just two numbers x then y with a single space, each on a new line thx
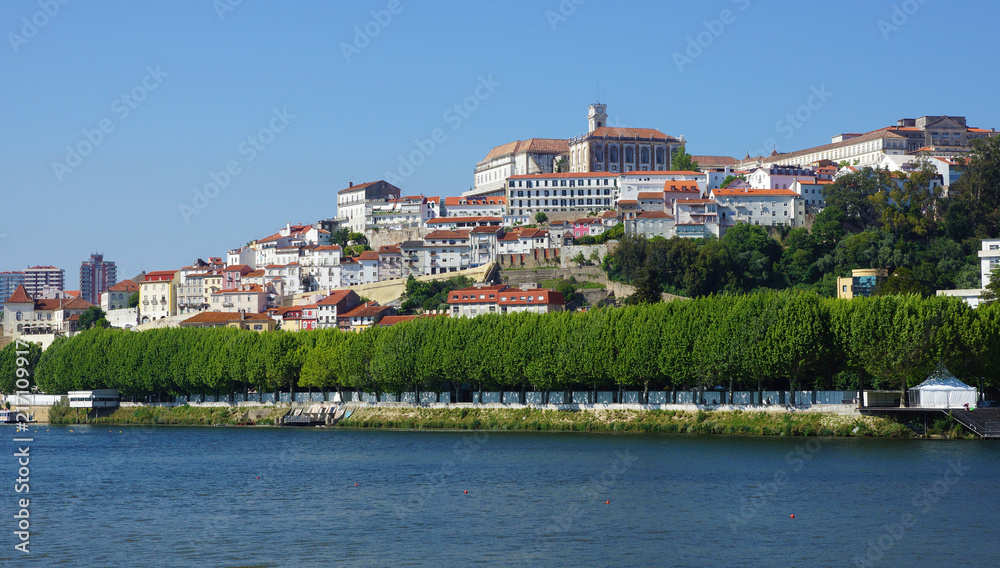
96 276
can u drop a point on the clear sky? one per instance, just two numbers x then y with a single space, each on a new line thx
298 99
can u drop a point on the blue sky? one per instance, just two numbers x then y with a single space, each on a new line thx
300 98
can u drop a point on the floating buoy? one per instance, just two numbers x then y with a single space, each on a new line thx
355 484
793 516
607 502
258 477
466 491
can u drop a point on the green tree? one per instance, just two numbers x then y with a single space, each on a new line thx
541 217
974 200
91 316
730 179
682 161
133 300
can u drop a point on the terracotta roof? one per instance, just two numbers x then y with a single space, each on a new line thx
694 201
616 132
159 276
389 249
685 186
715 160
254 274
357 187
627 202
327 247
653 215
72 293
867 137
450 220
366 310
368 255
609 215
454 201
650 195
224 317
335 297
441 234
20 296
392 320
532 145
662 173
472 295
236 268
124 286
487 229
513 297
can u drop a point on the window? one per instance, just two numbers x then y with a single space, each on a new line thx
659 155
629 154
613 153
644 155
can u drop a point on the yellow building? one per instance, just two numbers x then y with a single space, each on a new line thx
158 296
862 283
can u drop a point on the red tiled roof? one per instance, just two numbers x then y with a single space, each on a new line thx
653 215
20 296
368 255
124 286
694 201
366 310
335 297
236 268
513 297
224 317
532 145
357 187
159 276
715 160
487 229
442 234
616 132
254 274
327 247
454 201
663 173
685 186
472 295
650 195
450 220
389 249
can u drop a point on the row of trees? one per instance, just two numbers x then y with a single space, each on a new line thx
788 339
872 219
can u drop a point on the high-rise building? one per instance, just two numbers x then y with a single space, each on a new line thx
39 280
96 276
9 281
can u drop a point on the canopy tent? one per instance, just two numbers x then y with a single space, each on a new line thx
943 390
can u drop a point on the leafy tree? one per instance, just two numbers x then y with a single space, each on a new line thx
93 316
133 300
992 290
974 200
730 179
682 161
541 217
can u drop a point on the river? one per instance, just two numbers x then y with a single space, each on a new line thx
178 496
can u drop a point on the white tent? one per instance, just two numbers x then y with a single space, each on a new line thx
943 390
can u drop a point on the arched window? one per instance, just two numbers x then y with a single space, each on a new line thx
17 316
659 155
613 153
598 152
629 154
644 155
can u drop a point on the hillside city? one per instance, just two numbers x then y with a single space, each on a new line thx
559 205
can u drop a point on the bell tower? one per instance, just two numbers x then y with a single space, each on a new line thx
597 116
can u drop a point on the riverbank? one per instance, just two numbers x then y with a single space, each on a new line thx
728 422
732 422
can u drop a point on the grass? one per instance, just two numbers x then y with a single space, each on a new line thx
176 415
658 421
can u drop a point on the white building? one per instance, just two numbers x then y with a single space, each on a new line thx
447 251
760 206
487 206
521 157
353 202
649 224
560 193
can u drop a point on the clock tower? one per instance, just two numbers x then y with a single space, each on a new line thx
597 116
